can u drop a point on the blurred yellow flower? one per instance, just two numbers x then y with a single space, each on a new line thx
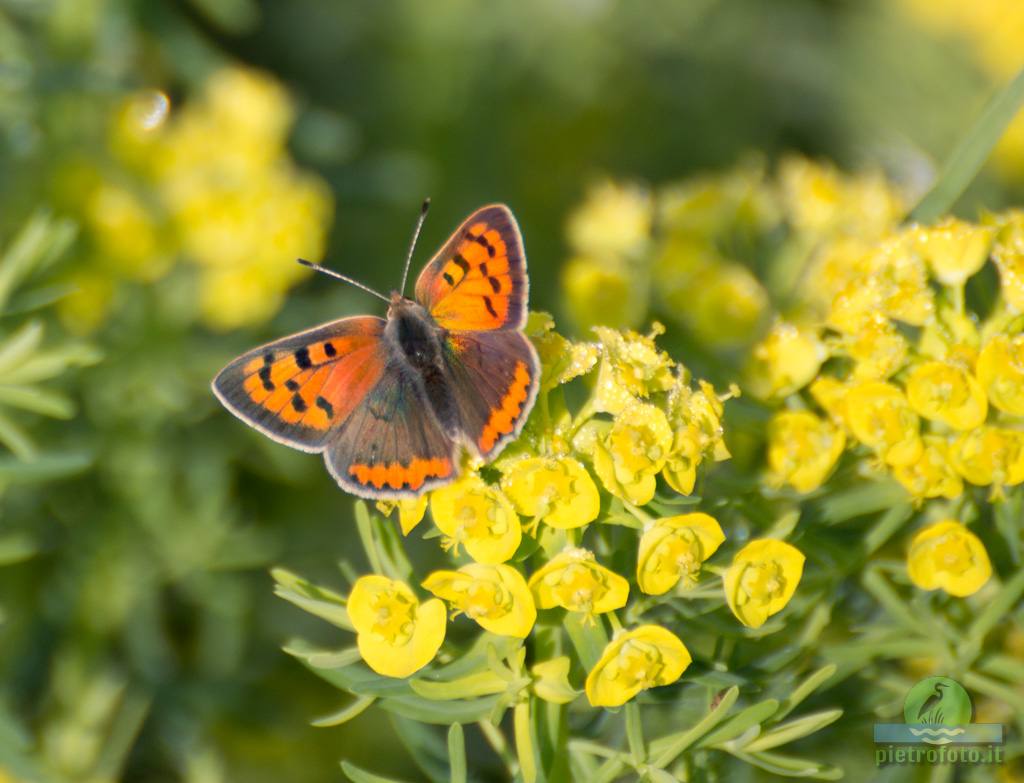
762 579
990 456
126 233
680 469
877 347
614 220
1008 254
954 249
672 550
396 634
730 307
1001 372
830 394
561 360
946 392
478 516
786 360
634 450
603 294
495 596
802 449
947 555
932 475
880 417
410 511
632 368
575 581
634 661
557 490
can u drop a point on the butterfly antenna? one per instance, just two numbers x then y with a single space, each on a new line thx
412 245
339 276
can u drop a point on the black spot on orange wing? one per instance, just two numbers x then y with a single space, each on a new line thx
490 307
495 284
298 403
302 360
292 385
325 406
461 263
330 350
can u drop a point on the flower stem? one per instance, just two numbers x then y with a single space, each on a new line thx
524 742
635 733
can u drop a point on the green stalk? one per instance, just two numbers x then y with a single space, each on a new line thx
971 153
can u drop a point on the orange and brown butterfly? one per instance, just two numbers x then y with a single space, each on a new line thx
391 402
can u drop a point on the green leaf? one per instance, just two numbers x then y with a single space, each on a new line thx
46 467
20 345
525 751
753 715
319 601
345 714
483 683
970 154
805 689
589 638
16 547
359 775
37 400
16 439
997 609
477 658
791 767
364 525
440 712
457 753
793 730
666 749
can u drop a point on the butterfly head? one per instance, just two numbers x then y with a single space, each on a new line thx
398 305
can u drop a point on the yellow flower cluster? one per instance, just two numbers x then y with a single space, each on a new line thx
535 525
212 183
931 390
636 252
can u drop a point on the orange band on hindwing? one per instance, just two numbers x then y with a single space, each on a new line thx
503 419
397 476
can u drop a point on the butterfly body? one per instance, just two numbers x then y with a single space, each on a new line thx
391 402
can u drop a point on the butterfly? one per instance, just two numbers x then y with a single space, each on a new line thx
391 403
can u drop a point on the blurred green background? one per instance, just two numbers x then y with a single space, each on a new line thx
161 166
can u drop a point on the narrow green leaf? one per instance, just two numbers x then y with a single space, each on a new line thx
457 753
876 584
16 439
886 527
666 749
439 712
366 534
805 689
318 601
589 638
359 775
45 467
483 683
37 400
970 154
791 767
995 611
477 657
739 723
656 775
793 730
635 733
524 742
345 714
20 345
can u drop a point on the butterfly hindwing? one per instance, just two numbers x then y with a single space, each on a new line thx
300 389
494 379
392 445
477 281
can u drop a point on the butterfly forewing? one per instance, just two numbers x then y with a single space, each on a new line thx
477 281
300 389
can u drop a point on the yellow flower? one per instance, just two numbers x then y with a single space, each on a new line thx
933 474
830 394
729 309
472 513
1008 253
632 368
700 409
949 556
990 455
877 347
946 392
560 359
614 220
634 661
802 449
605 293
410 511
551 680
786 360
1001 372
680 469
634 450
954 249
557 490
575 581
673 548
397 635
762 579
495 596
879 416
126 234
